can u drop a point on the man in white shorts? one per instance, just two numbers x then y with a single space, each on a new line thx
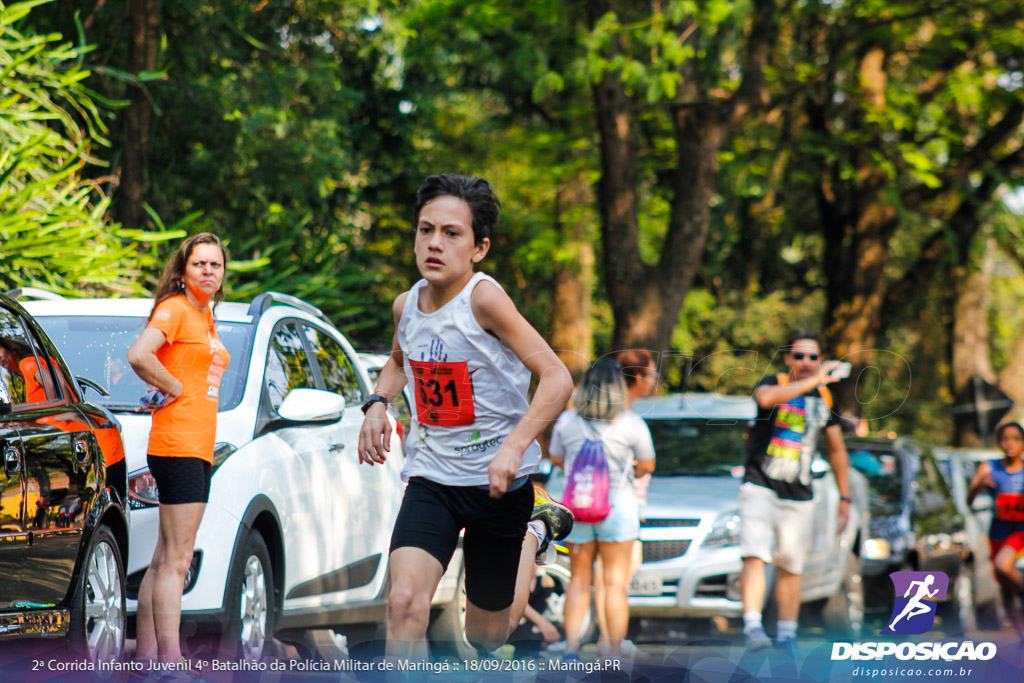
794 409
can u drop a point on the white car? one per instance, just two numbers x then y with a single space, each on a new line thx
296 533
690 524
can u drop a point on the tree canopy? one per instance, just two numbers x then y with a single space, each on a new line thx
695 178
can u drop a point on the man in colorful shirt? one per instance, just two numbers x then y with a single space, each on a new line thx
794 410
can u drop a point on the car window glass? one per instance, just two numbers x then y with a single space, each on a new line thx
24 378
96 347
930 491
336 368
885 480
698 447
287 365
51 376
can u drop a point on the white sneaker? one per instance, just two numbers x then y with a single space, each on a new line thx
627 649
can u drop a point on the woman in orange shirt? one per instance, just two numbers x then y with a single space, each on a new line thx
180 354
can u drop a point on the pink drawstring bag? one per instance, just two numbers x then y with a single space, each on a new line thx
588 485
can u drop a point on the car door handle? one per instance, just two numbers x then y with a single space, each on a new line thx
336 447
12 460
81 451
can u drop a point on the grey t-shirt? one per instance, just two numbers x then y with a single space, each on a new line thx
626 439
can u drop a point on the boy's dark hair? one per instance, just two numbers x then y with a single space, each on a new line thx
475 191
797 335
1008 425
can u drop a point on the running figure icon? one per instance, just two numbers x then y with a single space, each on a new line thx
915 606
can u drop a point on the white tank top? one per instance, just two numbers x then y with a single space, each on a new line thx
468 391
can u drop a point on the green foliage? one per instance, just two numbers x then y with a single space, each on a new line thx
299 131
53 227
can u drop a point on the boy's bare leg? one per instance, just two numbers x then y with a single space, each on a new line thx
414 575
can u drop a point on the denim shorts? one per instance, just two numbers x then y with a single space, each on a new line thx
622 523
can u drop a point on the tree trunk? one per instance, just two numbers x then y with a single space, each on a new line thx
145 42
1011 381
646 298
572 337
971 335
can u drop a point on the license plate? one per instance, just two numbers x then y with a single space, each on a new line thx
645 586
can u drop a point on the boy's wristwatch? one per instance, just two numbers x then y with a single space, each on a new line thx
374 398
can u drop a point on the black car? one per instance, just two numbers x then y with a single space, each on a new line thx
63 522
915 525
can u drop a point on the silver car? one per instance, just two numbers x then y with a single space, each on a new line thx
690 527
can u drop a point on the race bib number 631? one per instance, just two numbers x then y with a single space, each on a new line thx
444 393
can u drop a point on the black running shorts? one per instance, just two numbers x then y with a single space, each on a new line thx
432 515
181 480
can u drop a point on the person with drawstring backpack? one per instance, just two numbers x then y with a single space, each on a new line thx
602 447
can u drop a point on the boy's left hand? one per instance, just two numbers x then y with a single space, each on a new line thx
502 470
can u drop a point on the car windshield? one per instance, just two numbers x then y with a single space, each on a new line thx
885 478
96 347
698 447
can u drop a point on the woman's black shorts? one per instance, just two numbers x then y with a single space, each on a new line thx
432 515
181 480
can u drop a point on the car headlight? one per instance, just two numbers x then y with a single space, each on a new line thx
221 452
724 532
877 549
142 490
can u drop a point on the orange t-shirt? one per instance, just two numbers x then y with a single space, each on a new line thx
34 391
194 354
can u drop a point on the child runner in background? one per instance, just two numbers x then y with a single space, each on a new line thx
469 354
1004 480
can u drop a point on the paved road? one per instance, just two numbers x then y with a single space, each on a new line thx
668 655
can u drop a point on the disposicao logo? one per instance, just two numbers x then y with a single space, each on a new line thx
916 596
914 613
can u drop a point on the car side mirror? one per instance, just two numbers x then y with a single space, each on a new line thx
6 402
819 468
982 503
312 405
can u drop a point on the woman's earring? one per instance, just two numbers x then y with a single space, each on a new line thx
181 285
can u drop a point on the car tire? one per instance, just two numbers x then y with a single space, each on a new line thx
251 610
98 611
843 613
554 600
959 610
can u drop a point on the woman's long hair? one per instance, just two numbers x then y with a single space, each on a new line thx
172 282
602 392
19 349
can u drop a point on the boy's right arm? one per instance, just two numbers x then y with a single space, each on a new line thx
375 434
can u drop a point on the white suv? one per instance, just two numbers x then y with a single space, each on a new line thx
296 533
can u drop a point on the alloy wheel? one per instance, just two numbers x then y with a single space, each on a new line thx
253 606
104 600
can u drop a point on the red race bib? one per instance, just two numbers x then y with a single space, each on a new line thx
444 393
1010 507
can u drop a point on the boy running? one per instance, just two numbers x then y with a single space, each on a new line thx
1004 480
469 353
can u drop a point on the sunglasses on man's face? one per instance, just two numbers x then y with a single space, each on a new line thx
800 356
